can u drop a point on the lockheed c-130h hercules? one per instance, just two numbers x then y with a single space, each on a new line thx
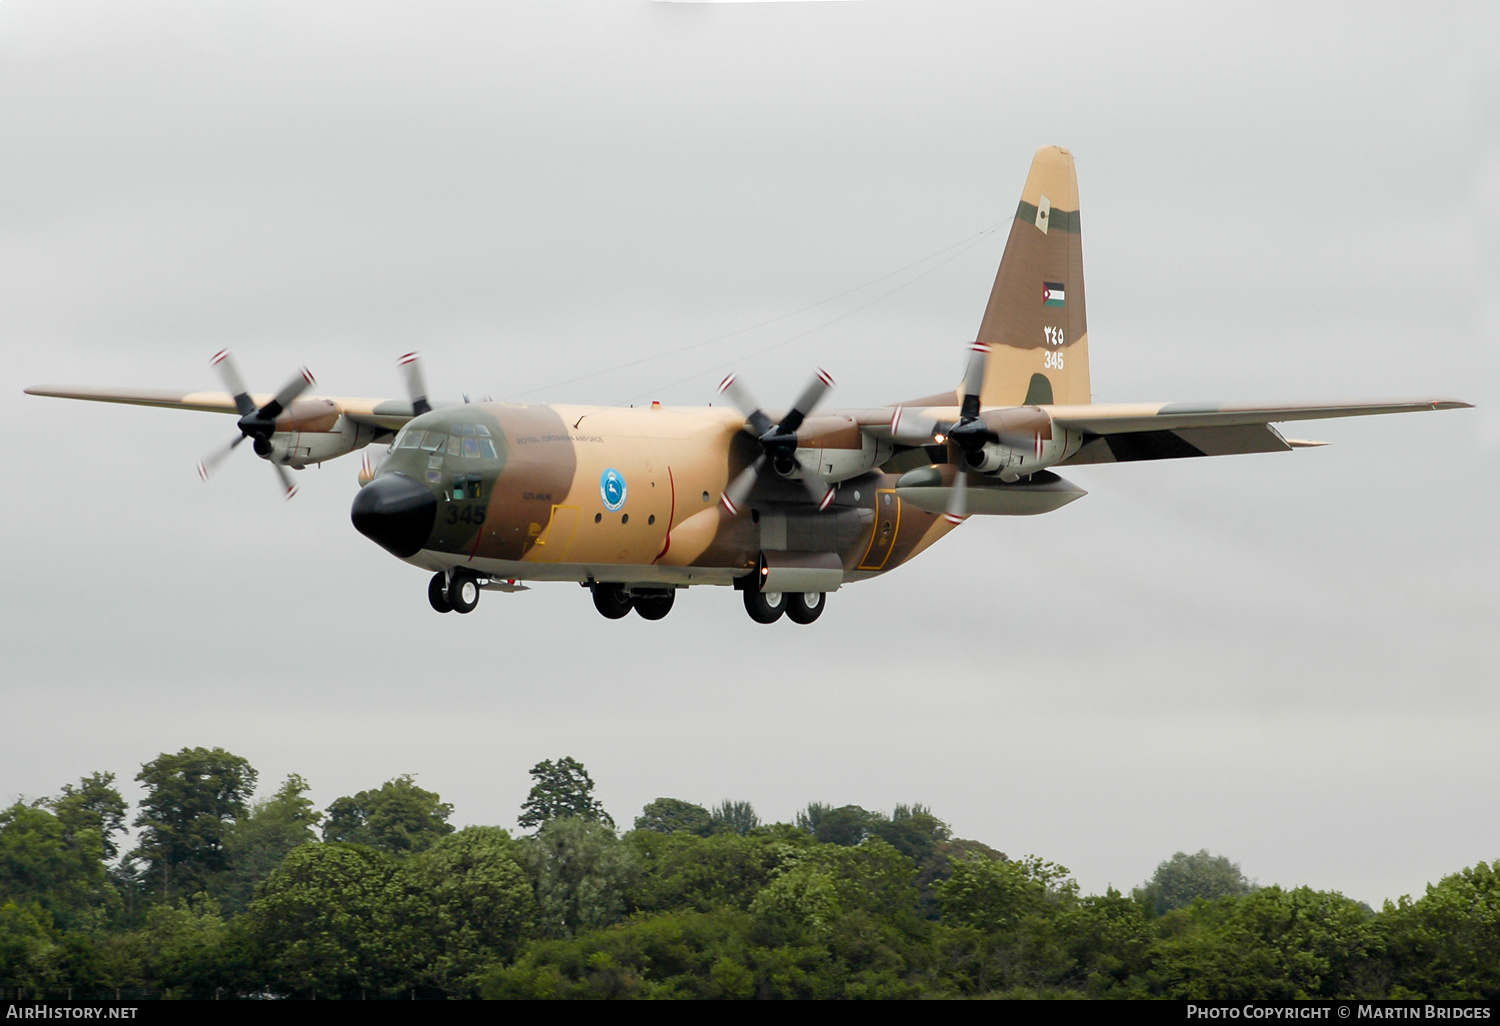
785 507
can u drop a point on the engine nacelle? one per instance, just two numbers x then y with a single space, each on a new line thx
296 449
1017 454
836 455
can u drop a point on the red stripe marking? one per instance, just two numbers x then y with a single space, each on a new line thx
667 542
726 383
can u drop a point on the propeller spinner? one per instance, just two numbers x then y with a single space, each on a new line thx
256 424
778 442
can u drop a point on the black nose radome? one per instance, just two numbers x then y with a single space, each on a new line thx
395 513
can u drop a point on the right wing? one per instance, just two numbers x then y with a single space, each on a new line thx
385 414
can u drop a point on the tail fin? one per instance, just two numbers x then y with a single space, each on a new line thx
1034 324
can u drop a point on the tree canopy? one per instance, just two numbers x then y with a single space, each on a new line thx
559 790
398 817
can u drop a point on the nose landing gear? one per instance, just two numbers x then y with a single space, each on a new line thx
455 592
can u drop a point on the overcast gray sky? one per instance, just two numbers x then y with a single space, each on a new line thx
1289 659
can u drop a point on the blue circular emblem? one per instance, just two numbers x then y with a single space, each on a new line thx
612 489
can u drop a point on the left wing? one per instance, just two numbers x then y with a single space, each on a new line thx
1126 432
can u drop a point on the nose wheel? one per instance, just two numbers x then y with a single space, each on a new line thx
457 592
437 593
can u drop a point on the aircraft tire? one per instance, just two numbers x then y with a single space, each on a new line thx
612 601
437 593
805 607
765 606
463 592
654 607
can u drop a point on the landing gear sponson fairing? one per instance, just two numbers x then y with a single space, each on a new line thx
638 503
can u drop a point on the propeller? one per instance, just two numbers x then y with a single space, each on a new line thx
968 434
256 424
416 384
778 442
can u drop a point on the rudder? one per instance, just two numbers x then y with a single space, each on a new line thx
1034 323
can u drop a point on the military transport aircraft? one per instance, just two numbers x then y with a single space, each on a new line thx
786 506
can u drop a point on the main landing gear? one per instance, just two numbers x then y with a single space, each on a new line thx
799 606
456 592
614 601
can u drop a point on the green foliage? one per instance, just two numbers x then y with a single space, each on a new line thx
559 790
94 805
580 872
192 799
258 842
471 904
184 945
734 817
725 871
673 815
330 920
1268 945
398 818
846 825
1184 878
58 870
694 903
1447 943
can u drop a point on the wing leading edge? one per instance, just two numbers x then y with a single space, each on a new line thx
388 414
1125 433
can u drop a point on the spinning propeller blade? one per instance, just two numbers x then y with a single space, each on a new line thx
256 424
778 442
416 384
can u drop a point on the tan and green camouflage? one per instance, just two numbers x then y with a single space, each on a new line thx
632 501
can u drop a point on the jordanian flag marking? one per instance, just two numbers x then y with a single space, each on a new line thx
1052 293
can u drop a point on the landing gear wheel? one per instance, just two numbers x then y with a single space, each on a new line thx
612 600
463 592
437 593
654 606
804 606
765 606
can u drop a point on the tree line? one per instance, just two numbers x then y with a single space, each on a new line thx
380 896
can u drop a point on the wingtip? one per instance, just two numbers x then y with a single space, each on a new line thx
1451 404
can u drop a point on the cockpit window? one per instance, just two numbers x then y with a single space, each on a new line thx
409 440
481 431
487 449
471 447
453 441
434 441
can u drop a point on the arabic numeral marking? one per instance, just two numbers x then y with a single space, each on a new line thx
1053 361
1054 335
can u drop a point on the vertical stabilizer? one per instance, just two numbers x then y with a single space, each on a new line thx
1034 323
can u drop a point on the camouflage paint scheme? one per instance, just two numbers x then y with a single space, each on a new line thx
530 505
